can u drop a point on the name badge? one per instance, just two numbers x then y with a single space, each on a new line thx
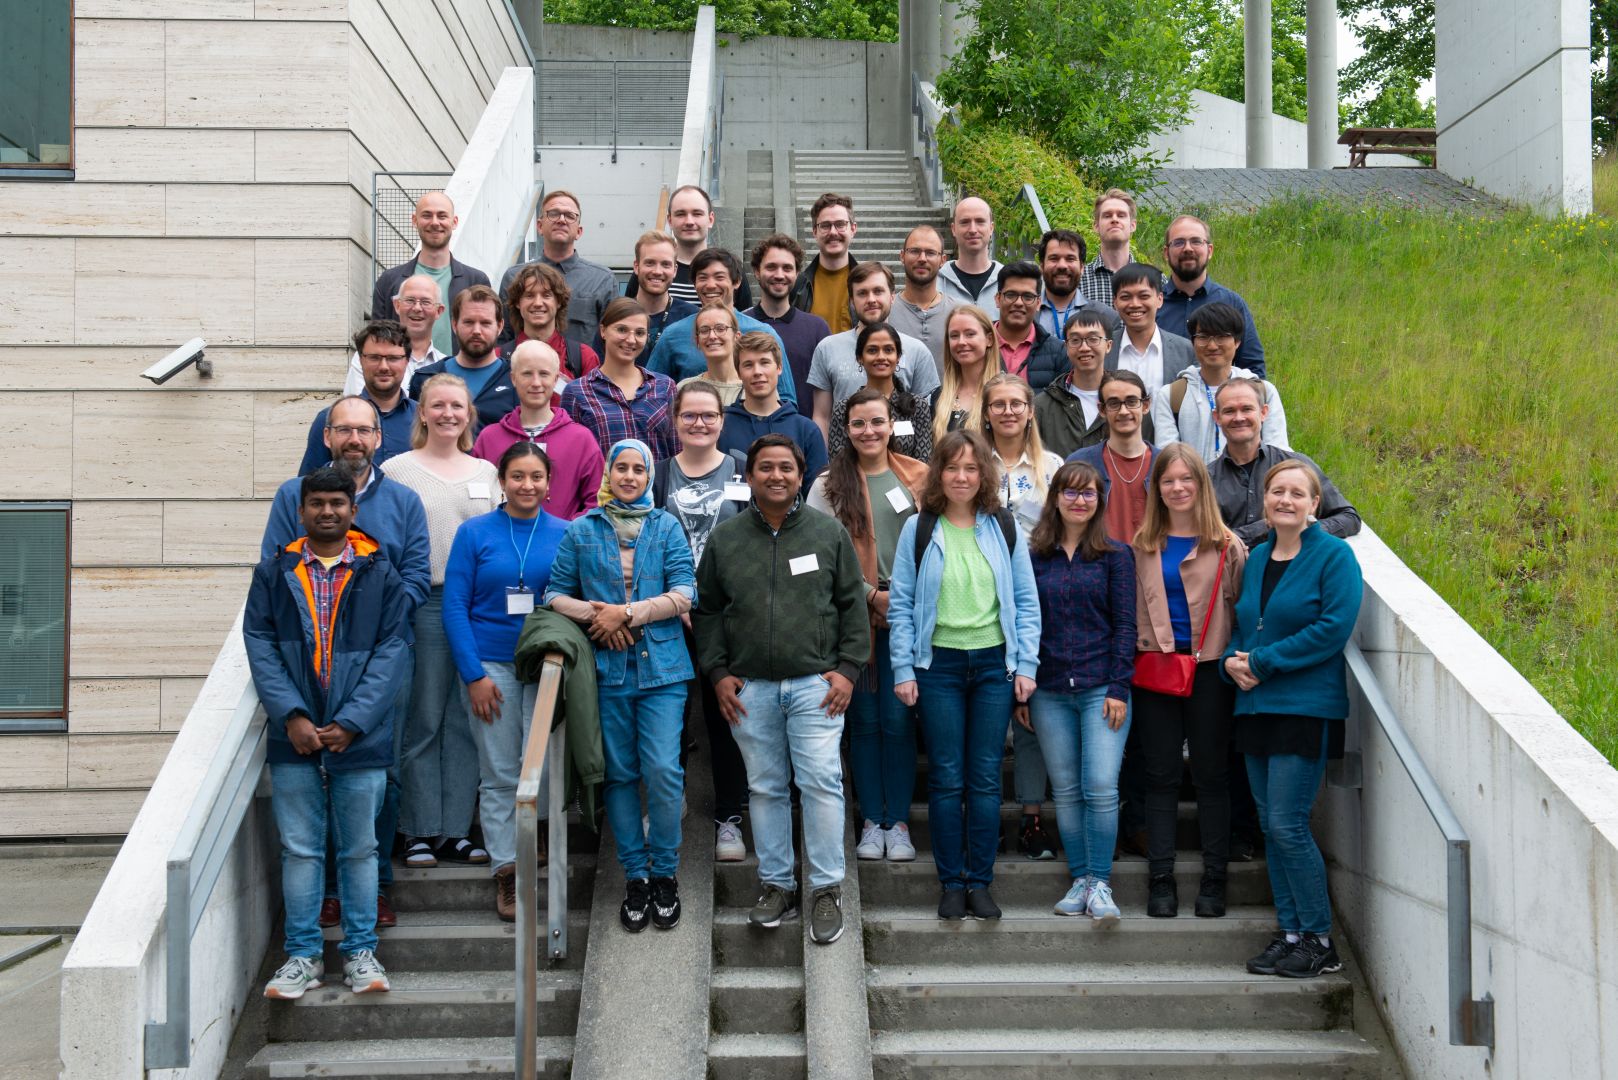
543 447
903 428
897 500
477 491
736 490
803 564
518 601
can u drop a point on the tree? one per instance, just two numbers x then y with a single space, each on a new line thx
858 20
1220 49
1094 78
1381 83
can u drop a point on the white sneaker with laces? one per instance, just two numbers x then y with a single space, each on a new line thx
900 848
728 845
1101 906
292 978
1078 895
873 842
363 973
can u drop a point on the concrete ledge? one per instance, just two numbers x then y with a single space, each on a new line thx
837 1025
494 181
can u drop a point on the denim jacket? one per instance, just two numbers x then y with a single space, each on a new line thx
587 568
913 599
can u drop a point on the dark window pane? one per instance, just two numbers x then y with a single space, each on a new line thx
36 84
33 611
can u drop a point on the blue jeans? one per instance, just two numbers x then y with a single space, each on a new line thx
640 738
1084 756
882 745
438 762
1284 787
387 818
965 699
303 796
500 746
786 736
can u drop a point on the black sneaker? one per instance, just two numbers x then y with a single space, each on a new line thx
1243 848
1264 963
1034 842
637 905
952 905
665 903
1162 897
980 905
1211 897
1308 958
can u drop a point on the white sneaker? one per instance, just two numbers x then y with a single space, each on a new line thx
873 842
1101 905
728 845
1078 895
363 973
292 978
900 849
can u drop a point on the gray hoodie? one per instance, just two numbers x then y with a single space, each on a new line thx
1195 422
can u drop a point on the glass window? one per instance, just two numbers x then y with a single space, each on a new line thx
36 85
33 614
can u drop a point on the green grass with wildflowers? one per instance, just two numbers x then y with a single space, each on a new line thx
1457 377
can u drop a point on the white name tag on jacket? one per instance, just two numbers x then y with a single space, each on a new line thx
897 500
736 490
804 564
477 491
518 601
903 428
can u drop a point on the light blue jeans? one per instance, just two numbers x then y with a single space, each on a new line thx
640 740
1284 787
438 763
500 746
302 797
786 735
1084 756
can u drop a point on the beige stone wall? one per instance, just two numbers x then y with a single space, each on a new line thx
224 152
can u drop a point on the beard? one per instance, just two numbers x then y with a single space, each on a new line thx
920 275
352 467
1188 271
476 349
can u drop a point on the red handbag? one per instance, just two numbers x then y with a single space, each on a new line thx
1172 673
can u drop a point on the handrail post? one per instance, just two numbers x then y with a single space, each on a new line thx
167 1041
556 886
536 747
615 112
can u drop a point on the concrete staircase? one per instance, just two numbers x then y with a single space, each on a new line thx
888 193
1040 996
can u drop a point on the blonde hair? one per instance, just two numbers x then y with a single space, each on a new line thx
654 237
1291 465
418 429
1154 527
952 380
1031 444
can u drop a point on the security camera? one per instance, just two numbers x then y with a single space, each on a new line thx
178 360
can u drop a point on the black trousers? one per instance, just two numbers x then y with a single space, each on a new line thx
1166 724
729 773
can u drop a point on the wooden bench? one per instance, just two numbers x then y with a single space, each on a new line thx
1362 142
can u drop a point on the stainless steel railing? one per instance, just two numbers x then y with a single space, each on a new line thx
544 738
610 103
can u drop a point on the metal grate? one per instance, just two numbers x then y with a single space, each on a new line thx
393 200
611 102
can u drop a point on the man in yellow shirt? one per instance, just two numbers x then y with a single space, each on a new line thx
822 287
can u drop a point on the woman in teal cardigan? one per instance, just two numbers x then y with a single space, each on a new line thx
1299 601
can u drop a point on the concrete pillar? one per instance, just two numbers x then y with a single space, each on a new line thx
927 57
909 45
1321 34
1258 62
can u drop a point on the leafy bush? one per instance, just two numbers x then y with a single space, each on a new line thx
855 20
994 161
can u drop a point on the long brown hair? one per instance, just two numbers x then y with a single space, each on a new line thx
1154 527
845 483
530 276
1046 539
933 499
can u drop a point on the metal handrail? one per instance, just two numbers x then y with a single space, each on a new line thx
585 111
929 113
718 133
194 864
1008 242
541 740
1471 1020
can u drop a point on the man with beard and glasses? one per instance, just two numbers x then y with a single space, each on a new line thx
776 261
1061 266
486 373
392 515
921 309
416 307
1188 246
434 221
381 350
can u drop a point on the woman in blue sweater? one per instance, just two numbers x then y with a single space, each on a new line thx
499 563
1296 612
1080 713
624 571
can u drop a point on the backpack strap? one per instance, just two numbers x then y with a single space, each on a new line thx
1008 528
575 359
1177 390
926 521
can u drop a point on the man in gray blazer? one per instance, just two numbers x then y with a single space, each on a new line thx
1155 355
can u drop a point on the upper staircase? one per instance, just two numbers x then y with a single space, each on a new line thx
889 198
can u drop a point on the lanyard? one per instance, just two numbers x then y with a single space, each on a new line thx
1212 413
522 557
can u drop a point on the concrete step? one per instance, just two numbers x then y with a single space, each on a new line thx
757 1000
468 1003
1018 880
1187 836
1159 1053
757 1057
756 215
1084 995
408 1059
469 888
1028 934
738 943
458 941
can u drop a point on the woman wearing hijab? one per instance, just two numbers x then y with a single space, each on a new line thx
624 572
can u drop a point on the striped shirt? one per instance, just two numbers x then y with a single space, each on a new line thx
596 402
326 586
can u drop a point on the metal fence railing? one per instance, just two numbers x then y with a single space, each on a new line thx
393 200
610 103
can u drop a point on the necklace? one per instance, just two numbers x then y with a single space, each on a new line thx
1125 480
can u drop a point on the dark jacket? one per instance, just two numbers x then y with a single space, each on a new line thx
757 619
742 427
1241 496
1060 417
542 632
497 397
1047 360
367 648
1092 456
461 276
803 290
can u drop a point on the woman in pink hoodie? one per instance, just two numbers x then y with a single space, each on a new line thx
576 462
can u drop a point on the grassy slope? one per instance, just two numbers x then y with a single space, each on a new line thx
1458 378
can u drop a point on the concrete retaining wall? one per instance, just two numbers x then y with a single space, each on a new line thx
493 185
620 200
1541 808
1215 138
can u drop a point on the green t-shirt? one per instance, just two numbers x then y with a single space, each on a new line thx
443 340
968 606
885 520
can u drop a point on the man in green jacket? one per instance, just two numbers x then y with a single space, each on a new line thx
782 630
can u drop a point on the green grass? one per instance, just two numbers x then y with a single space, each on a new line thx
1458 378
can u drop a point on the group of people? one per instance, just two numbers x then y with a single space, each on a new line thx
1049 505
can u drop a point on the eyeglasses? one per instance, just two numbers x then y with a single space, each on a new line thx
1211 339
1008 406
1092 340
1113 404
713 331
924 253
561 215
1187 242
416 302
834 226
692 419
878 424
348 431
1017 296
1088 495
382 358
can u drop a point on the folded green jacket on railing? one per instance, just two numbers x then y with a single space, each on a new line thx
545 631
